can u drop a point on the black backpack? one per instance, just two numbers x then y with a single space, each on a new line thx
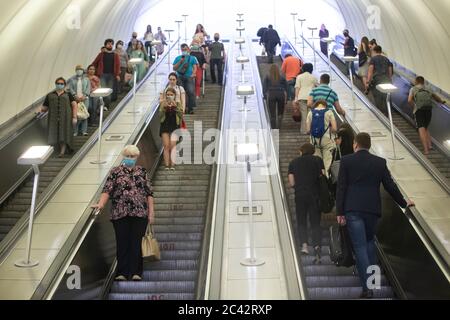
341 251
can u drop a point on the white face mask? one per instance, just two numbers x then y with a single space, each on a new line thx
171 98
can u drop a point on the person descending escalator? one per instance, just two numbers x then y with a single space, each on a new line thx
271 39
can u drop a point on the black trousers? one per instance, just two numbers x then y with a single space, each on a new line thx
129 232
307 205
276 98
216 63
380 101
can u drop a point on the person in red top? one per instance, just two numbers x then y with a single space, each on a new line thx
107 65
291 68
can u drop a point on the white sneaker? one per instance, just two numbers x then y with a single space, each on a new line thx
136 278
121 278
305 250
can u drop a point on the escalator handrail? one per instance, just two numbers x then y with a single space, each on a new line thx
398 134
264 110
53 277
12 237
204 253
438 252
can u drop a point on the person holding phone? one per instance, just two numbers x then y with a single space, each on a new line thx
171 115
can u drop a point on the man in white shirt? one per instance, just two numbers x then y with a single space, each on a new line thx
304 84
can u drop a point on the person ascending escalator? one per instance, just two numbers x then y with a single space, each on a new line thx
271 39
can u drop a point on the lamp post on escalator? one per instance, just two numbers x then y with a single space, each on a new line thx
34 156
100 93
349 60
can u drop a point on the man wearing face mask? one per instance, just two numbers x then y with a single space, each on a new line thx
349 49
186 68
62 117
107 65
80 88
133 40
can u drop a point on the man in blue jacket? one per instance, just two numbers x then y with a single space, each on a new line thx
358 202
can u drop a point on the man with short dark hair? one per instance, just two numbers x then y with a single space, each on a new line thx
291 68
186 68
304 174
271 39
217 58
324 92
380 71
358 202
107 64
421 99
349 50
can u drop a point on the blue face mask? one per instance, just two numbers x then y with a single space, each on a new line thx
130 163
185 53
60 87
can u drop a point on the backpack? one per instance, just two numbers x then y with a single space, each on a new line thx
423 99
341 252
318 129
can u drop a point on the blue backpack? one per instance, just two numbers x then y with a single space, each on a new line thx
318 129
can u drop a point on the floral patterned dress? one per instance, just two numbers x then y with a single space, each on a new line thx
128 189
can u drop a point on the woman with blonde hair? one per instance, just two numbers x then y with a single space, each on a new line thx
171 116
129 189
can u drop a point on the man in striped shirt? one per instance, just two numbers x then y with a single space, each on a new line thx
324 92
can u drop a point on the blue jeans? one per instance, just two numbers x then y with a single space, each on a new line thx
81 127
189 86
361 228
93 110
108 80
291 90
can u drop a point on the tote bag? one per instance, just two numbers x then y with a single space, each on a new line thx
150 246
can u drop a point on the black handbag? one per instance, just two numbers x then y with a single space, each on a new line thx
326 198
341 251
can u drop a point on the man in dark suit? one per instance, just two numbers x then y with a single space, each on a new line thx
358 202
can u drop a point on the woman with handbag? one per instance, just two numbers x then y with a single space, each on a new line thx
180 92
171 117
80 87
132 209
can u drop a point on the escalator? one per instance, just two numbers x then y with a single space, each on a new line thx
18 203
404 123
323 281
181 200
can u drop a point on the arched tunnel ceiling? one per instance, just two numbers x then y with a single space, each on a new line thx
40 39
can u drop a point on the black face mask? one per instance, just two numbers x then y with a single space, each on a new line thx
216 39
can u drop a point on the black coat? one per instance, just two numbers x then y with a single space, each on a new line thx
358 187
271 38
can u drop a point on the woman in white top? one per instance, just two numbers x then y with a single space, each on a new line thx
148 38
199 36
303 86
180 92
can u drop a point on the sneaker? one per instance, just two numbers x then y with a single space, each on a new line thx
136 278
172 168
120 278
305 250
105 109
85 134
167 168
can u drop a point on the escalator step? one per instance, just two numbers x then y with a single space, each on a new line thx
179 236
337 281
190 228
178 214
180 255
174 194
12 214
172 275
329 270
179 206
153 286
179 200
179 221
10 222
152 296
347 293
179 245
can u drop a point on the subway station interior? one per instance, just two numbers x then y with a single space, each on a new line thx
224 217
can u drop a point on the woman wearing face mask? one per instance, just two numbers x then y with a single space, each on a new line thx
139 52
123 63
62 117
180 92
129 188
80 87
161 37
171 115
93 101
